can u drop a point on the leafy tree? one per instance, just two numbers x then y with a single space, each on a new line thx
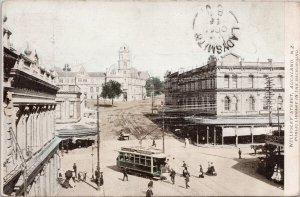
111 90
155 84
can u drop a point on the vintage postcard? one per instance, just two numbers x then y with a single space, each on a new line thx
149 98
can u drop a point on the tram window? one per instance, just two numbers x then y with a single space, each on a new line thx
131 158
137 159
121 156
143 160
126 157
148 161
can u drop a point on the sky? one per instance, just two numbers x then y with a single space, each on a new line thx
159 34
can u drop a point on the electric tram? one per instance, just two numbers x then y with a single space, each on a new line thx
142 161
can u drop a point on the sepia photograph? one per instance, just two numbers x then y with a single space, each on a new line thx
149 98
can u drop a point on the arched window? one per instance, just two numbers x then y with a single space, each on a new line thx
235 103
227 103
226 81
251 81
279 102
251 103
234 81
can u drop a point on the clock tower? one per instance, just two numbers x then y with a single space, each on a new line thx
124 57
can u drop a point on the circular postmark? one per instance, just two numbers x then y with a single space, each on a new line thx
215 29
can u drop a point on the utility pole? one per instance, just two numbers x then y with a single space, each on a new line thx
163 128
98 146
268 96
278 120
152 94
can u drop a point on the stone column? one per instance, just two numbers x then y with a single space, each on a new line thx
251 130
215 135
236 136
222 135
207 134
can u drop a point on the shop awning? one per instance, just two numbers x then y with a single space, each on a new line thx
234 120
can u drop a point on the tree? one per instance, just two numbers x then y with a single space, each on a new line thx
154 84
111 90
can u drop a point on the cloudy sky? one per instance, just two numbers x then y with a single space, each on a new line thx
160 35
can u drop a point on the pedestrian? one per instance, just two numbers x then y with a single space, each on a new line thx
154 143
275 173
167 165
187 180
75 169
185 172
150 184
172 174
97 175
240 154
201 175
212 167
125 175
184 164
149 193
208 168
101 178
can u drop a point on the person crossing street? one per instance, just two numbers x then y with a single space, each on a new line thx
125 175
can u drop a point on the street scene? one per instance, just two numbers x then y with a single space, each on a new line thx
225 158
142 99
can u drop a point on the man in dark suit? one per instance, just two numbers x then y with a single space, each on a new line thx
125 175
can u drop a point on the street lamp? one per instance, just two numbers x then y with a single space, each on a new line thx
92 163
98 146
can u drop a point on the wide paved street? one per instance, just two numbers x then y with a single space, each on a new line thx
235 176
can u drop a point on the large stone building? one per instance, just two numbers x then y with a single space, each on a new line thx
132 81
30 158
90 83
226 100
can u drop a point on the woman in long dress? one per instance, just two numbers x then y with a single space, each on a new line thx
274 173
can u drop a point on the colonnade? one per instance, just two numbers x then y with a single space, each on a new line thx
45 183
35 126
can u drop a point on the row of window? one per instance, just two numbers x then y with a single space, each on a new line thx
198 85
96 89
251 81
210 83
61 111
231 104
80 80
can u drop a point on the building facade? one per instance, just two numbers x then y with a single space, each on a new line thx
69 104
30 157
228 98
78 90
132 81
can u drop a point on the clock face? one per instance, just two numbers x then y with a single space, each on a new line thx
215 29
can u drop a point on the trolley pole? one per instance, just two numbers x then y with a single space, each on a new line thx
163 128
278 121
98 146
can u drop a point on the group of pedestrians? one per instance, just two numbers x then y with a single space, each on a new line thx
186 174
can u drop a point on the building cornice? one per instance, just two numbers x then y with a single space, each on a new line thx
22 79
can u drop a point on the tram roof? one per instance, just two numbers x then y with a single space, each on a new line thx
144 151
